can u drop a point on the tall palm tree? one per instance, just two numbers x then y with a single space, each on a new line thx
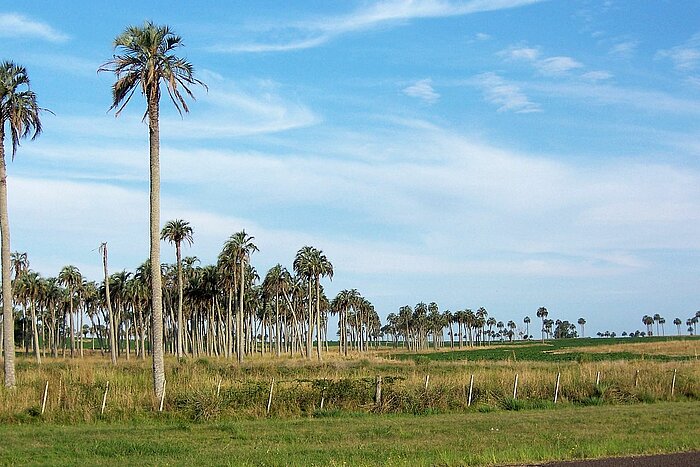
542 314
582 323
526 320
678 323
71 278
239 247
176 231
19 112
146 60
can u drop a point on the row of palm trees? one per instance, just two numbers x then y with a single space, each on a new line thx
649 321
214 310
423 325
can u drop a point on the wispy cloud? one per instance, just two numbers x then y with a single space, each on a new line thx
315 33
549 66
685 57
507 96
14 25
598 75
624 49
423 90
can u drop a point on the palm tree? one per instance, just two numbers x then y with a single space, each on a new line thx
649 322
20 113
238 248
313 264
678 323
147 60
526 320
657 318
581 322
71 278
176 231
542 313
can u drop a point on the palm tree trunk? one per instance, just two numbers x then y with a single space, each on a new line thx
318 318
8 321
179 301
35 333
156 280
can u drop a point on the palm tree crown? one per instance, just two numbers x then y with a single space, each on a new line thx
146 59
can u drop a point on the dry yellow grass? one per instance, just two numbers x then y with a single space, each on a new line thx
675 348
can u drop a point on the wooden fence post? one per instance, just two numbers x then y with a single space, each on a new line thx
636 378
43 402
104 399
427 380
162 397
378 392
471 386
269 398
556 388
673 382
597 379
515 387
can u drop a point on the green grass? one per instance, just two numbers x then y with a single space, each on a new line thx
499 437
544 352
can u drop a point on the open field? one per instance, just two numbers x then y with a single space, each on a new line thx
561 350
215 412
331 438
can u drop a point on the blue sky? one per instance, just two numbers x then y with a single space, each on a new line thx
509 154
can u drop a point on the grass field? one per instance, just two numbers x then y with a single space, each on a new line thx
326 413
351 439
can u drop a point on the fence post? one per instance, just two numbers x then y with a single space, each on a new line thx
515 387
162 397
673 382
269 398
556 388
597 379
378 392
471 386
43 402
636 378
104 399
427 380
218 387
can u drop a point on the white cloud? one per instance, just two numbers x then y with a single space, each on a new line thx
507 96
598 75
624 49
549 66
316 33
521 53
685 57
557 65
423 90
14 25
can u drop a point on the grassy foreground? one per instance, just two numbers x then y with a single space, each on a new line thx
336 439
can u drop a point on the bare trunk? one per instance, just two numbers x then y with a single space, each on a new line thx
156 280
8 319
112 324
179 301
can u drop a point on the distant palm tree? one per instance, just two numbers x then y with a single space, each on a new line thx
176 231
71 278
582 323
542 313
238 249
657 318
678 323
313 264
526 320
19 112
648 321
147 60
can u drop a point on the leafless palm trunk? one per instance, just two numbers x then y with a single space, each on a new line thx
8 319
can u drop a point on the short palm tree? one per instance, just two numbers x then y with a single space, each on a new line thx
542 313
19 113
176 231
146 60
